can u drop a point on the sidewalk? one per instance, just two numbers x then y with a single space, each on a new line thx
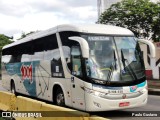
154 87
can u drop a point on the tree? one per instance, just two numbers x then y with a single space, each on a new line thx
4 40
23 35
142 17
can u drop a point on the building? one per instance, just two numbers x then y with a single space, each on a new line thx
105 4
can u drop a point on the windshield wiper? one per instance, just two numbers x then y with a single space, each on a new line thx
113 66
129 66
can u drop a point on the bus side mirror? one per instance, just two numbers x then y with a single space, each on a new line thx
83 44
151 46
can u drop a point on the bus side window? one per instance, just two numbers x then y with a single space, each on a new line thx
76 61
15 58
52 54
38 56
67 55
26 58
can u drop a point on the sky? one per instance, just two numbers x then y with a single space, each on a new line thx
17 16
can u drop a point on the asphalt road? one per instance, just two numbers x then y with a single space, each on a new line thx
1 88
153 107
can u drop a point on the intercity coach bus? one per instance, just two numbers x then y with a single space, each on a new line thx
87 67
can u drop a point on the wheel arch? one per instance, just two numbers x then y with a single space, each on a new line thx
54 90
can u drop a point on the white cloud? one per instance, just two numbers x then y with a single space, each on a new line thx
30 15
41 21
86 13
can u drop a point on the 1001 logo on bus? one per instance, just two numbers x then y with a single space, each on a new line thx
26 72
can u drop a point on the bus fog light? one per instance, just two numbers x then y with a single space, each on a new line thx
96 93
142 91
102 94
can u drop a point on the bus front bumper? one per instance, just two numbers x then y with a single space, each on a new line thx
96 103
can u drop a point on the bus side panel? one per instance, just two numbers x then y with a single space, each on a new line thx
23 75
43 80
6 78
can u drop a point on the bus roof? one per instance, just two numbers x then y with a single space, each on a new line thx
92 28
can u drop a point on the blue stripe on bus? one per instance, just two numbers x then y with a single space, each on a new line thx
134 88
29 82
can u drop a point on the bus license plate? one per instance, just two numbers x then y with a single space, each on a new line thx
123 104
115 91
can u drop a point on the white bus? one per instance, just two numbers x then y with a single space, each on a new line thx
87 67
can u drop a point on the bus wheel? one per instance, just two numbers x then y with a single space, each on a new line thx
60 97
13 88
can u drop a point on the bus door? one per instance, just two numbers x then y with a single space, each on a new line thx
78 99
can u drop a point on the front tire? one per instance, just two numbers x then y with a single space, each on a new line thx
60 101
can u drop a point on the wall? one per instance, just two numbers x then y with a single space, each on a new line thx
152 72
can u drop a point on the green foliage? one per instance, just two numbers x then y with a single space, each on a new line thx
4 40
23 35
136 15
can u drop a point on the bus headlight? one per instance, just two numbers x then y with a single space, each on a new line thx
100 82
94 92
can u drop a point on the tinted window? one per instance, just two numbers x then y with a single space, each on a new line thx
37 56
52 53
67 44
45 48
18 53
51 48
76 61
6 58
26 58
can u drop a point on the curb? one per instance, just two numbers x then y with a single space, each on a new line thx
95 117
23 104
153 91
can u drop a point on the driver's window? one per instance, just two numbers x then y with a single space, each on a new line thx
76 61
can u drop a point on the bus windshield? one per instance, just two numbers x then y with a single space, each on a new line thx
114 58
